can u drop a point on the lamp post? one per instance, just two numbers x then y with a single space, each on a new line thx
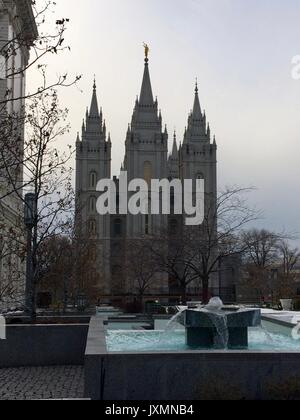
29 220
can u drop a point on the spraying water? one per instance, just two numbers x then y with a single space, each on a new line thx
219 320
175 320
215 314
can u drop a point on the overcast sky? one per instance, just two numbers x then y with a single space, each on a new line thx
241 52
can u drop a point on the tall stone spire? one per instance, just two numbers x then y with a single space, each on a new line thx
146 114
175 148
173 161
197 129
146 95
146 140
94 110
93 128
197 113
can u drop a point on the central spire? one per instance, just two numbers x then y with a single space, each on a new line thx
146 96
197 113
146 115
94 110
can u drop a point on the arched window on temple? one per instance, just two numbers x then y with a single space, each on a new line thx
117 227
148 172
92 204
173 227
92 227
93 179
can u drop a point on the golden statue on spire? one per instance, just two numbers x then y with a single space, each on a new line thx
147 50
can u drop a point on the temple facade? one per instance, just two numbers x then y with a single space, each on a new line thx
147 157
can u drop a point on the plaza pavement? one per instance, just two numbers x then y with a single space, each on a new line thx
42 383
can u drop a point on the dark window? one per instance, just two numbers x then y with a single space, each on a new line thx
172 200
118 227
147 224
173 227
93 180
92 227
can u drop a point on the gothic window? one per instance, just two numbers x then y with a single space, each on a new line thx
173 227
93 179
92 227
118 227
172 200
92 205
148 172
147 224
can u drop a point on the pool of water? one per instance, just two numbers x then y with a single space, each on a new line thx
159 341
127 326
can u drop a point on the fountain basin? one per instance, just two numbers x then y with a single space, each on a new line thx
202 328
141 367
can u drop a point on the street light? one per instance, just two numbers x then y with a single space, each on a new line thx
30 210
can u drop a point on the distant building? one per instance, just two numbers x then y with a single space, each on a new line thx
17 31
146 157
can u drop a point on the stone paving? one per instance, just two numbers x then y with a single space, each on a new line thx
62 382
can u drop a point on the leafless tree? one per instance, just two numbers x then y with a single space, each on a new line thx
47 175
42 44
289 256
218 237
66 267
261 247
141 267
44 39
11 250
269 261
194 254
172 257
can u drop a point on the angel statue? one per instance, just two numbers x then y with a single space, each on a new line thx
147 49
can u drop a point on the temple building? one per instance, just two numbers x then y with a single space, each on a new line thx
146 157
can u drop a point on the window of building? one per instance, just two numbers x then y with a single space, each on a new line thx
172 199
93 179
2 67
148 172
92 227
147 227
118 227
173 227
92 205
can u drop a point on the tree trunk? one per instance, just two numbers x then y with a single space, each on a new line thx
205 290
183 294
141 308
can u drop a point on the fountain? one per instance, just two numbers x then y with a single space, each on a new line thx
216 326
117 361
